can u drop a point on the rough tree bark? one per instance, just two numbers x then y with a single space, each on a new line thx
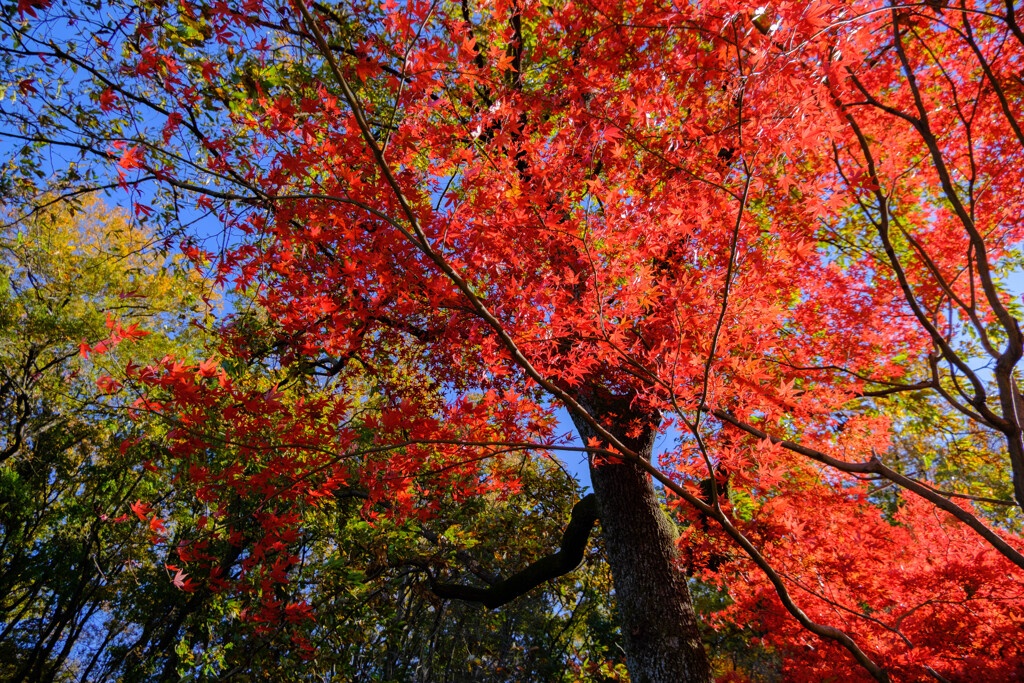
656 616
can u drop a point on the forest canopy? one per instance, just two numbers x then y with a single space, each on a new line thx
765 261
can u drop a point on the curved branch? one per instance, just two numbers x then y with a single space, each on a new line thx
566 559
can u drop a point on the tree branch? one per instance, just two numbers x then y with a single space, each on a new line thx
560 563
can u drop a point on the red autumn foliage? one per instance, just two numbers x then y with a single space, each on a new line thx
756 224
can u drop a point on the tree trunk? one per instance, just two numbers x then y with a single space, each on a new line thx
659 627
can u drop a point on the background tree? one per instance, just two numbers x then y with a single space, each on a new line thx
68 551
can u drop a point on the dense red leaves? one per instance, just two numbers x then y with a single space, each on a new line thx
250 441
826 168
917 590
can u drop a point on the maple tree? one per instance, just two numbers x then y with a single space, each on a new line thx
774 231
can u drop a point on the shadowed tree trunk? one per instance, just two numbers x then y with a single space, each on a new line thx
659 628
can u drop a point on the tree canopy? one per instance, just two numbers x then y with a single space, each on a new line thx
767 260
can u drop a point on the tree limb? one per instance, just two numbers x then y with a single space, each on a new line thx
560 563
